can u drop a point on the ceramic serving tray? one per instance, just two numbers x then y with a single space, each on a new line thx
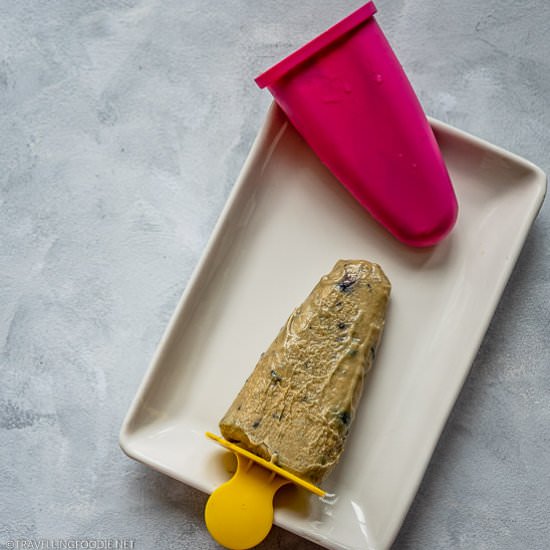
285 224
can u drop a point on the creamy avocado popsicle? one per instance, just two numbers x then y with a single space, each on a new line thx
297 406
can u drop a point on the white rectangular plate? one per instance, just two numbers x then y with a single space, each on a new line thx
286 223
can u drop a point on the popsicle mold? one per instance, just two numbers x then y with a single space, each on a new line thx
347 95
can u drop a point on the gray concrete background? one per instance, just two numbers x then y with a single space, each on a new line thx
123 127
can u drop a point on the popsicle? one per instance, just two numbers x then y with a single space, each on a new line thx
297 407
290 420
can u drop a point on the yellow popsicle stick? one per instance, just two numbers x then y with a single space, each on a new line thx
239 513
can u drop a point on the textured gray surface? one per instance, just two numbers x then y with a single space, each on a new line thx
124 125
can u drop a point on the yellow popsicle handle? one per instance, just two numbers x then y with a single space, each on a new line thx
239 513
266 464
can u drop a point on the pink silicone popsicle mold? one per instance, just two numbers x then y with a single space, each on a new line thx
348 96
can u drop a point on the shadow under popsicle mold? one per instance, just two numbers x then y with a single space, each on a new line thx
290 154
488 175
481 161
